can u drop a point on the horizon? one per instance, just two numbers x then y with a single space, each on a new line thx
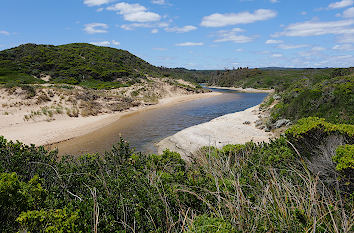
205 36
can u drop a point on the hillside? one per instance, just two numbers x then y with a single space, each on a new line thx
327 93
75 63
82 64
278 79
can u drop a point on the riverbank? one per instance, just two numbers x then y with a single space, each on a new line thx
13 127
234 128
245 90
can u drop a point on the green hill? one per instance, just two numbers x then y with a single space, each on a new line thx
83 64
73 64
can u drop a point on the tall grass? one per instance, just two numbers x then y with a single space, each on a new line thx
274 199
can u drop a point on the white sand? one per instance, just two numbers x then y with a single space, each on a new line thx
227 129
13 127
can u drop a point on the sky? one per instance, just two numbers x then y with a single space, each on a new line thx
195 34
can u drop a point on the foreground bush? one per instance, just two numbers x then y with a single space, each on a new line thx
267 187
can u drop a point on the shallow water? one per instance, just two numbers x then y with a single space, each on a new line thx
145 128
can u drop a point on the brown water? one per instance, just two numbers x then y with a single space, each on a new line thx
145 128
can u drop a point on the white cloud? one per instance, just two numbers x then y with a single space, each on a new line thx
154 31
318 49
132 26
274 1
94 28
115 42
312 53
134 12
277 55
349 13
96 2
288 46
345 47
314 28
233 36
105 43
142 17
101 43
6 33
341 4
185 44
220 20
274 42
187 28
159 2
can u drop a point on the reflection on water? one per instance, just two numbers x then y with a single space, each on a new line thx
145 128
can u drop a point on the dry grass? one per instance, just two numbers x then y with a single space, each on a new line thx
291 200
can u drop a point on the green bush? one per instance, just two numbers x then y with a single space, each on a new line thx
344 157
17 196
203 223
306 125
60 220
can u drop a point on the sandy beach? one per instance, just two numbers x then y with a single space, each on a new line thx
227 129
13 127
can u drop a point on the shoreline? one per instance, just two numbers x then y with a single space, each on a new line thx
244 90
227 129
45 133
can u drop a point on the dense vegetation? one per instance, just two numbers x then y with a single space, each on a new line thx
327 93
84 64
331 98
74 63
269 187
266 78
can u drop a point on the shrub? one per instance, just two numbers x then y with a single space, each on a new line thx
17 196
59 220
204 223
344 157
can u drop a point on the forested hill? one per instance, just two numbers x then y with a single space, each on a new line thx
326 93
276 78
73 63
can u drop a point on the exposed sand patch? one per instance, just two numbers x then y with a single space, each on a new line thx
227 129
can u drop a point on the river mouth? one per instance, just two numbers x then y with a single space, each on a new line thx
143 129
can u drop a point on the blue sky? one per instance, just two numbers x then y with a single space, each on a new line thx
196 34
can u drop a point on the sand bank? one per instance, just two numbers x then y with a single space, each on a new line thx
227 129
13 127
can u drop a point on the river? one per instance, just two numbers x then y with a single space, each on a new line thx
143 129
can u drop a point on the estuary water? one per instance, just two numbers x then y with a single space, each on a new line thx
143 129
